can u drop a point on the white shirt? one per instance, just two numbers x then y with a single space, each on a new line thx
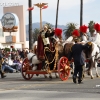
84 39
69 40
97 39
10 62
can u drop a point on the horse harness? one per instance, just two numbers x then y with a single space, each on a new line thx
31 58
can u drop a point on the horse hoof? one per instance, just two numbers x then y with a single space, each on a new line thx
88 73
50 77
92 77
37 74
97 76
57 76
83 75
45 76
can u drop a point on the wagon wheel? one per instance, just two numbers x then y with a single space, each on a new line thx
63 69
25 68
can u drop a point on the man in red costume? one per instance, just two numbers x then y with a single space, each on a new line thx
97 37
58 33
83 29
75 34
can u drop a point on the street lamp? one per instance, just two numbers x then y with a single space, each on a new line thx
41 6
81 13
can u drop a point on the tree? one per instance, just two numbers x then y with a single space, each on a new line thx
69 29
91 27
49 25
36 33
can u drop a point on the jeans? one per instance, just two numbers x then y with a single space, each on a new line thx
7 68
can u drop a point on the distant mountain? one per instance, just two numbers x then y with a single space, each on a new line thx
37 25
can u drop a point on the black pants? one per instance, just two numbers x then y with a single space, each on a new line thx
78 70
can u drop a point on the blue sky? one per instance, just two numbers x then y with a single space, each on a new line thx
69 11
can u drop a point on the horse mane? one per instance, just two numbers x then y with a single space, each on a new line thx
88 51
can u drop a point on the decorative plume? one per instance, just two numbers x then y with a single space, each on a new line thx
97 27
58 32
83 29
76 32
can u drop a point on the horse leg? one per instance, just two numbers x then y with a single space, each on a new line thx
91 64
50 76
56 75
45 75
84 70
97 75
91 74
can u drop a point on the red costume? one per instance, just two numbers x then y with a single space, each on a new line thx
41 45
40 48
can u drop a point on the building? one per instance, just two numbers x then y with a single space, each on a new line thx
20 35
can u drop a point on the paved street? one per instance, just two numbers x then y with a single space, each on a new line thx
14 87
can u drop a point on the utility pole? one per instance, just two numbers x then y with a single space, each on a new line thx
30 25
57 14
81 13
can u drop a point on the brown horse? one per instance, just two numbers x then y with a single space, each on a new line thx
91 55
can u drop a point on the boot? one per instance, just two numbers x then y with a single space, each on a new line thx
74 79
80 81
2 75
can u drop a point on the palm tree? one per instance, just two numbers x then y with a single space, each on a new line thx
36 33
91 27
49 25
30 25
69 29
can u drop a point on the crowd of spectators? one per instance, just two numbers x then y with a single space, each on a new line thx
12 60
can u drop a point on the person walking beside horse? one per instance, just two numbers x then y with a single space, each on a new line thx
79 61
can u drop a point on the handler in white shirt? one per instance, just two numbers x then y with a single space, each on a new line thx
83 30
97 36
75 34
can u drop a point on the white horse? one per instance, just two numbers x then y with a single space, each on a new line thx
93 54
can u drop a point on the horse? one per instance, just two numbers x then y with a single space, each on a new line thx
91 55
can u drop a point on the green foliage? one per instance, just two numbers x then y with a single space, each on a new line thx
7 49
49 25
91 27
36 32
13 49
69 29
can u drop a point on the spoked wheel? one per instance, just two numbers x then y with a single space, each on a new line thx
25 68
63 68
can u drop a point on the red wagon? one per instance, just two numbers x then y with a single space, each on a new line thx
61 67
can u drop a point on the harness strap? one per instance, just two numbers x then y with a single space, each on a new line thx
31 58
